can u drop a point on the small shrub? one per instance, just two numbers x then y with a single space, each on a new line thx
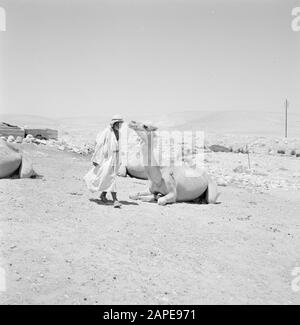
280 151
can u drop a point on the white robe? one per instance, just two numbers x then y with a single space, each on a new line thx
103 176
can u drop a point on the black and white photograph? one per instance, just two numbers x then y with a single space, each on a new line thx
149 154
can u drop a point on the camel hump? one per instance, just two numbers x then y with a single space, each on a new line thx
212 193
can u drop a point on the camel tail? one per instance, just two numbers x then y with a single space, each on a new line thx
212 193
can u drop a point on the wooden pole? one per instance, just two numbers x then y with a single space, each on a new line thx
286 118
249 164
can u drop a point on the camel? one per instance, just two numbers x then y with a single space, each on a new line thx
14 163
170 184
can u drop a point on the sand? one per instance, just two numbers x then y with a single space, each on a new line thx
60 245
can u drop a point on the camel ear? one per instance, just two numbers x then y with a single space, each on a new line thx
149 128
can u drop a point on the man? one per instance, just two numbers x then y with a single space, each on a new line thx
102 177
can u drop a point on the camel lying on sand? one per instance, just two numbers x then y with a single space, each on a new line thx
14 163
174 183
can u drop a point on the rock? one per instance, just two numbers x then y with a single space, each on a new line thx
28 139
11 138
241 169
19 139
62 148
222 182
219 148
38 141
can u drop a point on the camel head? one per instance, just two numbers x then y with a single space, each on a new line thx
143 130
147 139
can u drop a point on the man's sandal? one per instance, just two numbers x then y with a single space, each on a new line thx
117 204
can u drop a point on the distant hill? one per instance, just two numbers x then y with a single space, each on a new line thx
30 121
244 122
221 122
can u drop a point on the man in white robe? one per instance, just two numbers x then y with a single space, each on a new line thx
102 177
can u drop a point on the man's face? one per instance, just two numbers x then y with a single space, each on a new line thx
116 126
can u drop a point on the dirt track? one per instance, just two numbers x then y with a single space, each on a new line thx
60 246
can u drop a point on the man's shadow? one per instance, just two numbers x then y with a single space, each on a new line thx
100 202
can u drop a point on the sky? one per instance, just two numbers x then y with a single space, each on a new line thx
78 58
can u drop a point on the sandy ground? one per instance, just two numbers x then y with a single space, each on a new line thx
59 245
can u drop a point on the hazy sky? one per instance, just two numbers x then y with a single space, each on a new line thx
71 58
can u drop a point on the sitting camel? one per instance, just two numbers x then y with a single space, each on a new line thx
14 163
174 183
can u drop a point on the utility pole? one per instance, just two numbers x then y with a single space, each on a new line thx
286 118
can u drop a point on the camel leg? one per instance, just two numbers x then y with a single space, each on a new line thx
148 198
171 189
138 195
167 199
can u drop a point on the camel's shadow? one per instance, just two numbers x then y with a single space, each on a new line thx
99 202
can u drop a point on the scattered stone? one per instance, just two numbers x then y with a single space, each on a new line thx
219 148
222 182
75 193
19 139
11 138
245 218
241 169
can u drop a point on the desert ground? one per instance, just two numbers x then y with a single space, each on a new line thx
60 245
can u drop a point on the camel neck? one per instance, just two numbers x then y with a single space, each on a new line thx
151 167
154 174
